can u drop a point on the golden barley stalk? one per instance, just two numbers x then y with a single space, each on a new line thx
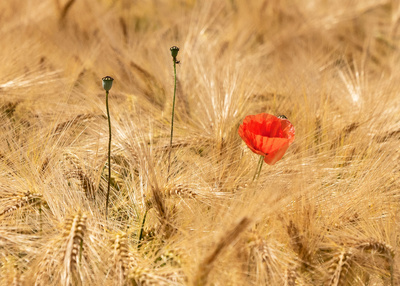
376 246
340 267
123 259
142 276
290 276
75 230
21 201
180 190
206 265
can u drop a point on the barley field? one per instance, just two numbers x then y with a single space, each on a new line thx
191 213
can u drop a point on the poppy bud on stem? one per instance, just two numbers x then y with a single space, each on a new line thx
174 53
107 84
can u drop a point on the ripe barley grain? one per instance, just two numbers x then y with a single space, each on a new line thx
339 268
19 201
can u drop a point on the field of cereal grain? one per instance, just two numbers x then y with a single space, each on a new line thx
327 213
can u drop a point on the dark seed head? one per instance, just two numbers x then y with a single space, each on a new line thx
107 82
282 117
174 51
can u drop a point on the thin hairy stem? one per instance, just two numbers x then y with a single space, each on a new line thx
258 170
172 120
109 155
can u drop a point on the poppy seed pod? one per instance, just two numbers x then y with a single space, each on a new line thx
107 82
267 135
174 51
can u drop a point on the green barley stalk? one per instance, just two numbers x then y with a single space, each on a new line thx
141 231
107 84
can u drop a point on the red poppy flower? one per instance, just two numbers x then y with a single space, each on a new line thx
267 135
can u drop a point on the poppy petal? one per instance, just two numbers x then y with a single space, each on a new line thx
274 157
269 145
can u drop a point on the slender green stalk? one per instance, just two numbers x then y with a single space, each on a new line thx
259 166
141 231
174 53
107 84
109 155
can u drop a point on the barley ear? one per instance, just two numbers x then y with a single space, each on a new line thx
291 276
339 267
206 265
75 229
376 246
123 259
20 201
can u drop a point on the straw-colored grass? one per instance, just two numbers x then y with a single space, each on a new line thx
326 214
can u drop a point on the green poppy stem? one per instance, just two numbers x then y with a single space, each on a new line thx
258 170
109 155
172 119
